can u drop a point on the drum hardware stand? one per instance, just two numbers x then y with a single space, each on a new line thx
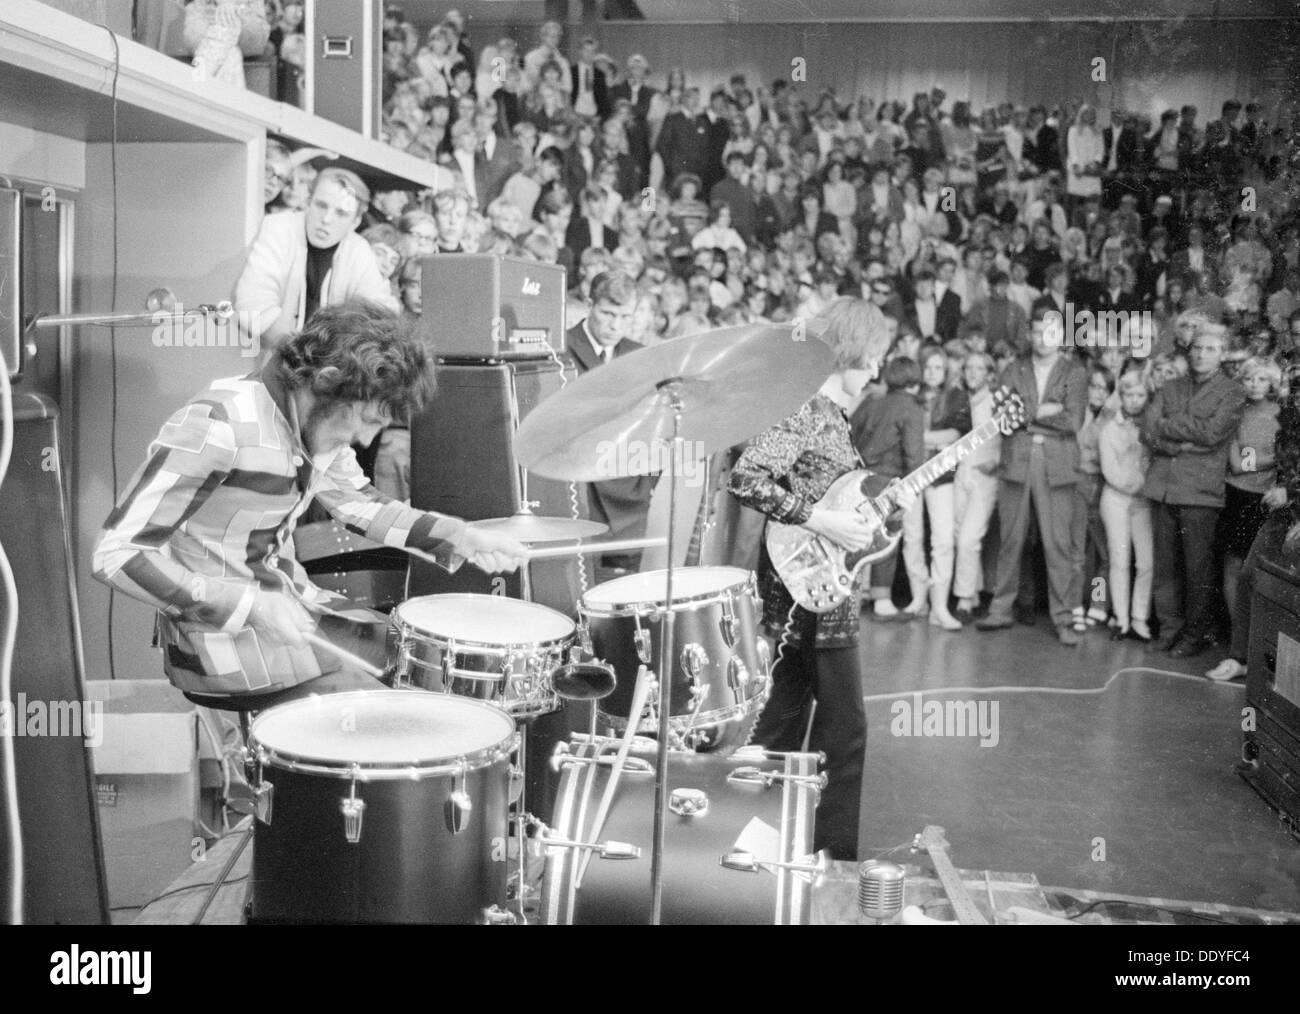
672 391
644 683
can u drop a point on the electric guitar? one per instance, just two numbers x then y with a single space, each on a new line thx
819 573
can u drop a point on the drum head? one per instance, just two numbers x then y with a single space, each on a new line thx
381 729
485 619
652 586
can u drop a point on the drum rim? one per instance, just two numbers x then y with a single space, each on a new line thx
680 603
388 769
439 639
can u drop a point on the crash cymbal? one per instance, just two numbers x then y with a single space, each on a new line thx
533 528
728 385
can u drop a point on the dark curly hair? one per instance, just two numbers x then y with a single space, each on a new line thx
359 351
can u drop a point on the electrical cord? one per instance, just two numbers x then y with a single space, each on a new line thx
8 639
1068 691
574 509
112 338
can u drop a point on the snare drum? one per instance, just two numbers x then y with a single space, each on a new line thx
381 806
722 668
488 647
719 809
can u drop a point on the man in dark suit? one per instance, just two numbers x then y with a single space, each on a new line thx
717 125
684 139
590 96
947 318
1042 146
634 89
927 315
738 196
1188 427
612 146
621 503
1039 473
495 161
587 229
1122 155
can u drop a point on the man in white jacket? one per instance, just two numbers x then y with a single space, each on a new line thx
301 261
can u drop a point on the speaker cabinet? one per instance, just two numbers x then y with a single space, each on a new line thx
463 463
63 858
344 62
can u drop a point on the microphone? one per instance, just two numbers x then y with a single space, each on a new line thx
880 890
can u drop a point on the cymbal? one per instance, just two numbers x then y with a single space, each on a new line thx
533 528
729 384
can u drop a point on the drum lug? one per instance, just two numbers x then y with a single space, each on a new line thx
498 916
584 641
730 627
448 664
641 639
353 809
694 659
516 784
262 802
811 868
460 805
748 775
764 656
737 673
689 802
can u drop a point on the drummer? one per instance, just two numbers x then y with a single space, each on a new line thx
783 473
204 530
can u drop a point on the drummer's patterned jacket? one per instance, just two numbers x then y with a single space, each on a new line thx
783 473
209 518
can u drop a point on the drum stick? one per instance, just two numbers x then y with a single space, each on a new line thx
639 696
346 656
554 552
591 548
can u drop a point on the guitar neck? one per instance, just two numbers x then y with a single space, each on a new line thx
963 905
936 466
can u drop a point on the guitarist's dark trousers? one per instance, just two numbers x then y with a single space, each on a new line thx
839 725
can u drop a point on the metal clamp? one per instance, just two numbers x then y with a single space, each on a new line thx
562 758
498 916
813 867
353 810
584 641
748 775
689 802
605 849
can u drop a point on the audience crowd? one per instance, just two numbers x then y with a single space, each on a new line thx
1136 283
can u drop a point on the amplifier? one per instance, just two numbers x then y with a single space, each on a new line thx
481 307
343 62
463 463
1271 749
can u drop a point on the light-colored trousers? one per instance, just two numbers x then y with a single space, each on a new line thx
1128 524
975 496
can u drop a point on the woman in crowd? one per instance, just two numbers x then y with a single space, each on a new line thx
975 487
1125 514
1251 491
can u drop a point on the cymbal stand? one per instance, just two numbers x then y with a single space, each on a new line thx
671 390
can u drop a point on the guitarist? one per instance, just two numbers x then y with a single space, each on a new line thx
783 473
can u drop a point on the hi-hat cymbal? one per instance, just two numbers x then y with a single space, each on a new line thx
728 384
532 528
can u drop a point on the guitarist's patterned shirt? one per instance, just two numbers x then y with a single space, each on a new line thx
783 473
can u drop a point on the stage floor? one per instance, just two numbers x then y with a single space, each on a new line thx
1127 790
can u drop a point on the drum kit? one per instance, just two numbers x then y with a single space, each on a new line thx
401 806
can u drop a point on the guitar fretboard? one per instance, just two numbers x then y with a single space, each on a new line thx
948 458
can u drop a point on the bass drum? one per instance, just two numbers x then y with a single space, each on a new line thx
717 806
381 806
